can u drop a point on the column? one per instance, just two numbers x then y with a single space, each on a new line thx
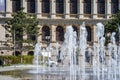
119 4
53 33
39 39
52 8
108 9
94 33
25 38
94 8
24 5
67 9
38 8
80 9
8 8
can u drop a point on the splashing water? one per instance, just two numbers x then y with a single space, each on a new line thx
72 48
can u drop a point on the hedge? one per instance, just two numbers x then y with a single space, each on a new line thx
10 60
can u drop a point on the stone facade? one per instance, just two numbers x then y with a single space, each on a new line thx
52 19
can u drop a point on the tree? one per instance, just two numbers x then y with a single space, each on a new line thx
21 24
112 24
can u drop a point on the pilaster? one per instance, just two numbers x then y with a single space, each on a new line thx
39 39
8 8
67 9
80 9
38 8
108 8
53 33
94 33
119 4
24 5
94 8
52 8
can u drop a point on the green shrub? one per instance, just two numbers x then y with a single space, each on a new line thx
10 60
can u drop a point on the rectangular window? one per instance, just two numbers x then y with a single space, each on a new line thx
16 4
87 8
45 7
114 8
73 6
31 6
2 5
59 8
101 8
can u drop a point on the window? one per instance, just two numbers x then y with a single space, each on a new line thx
59 33
114 6
101 7
45 33
16 5
2 5
45 6
89 33
31 6
75 29
87 6
73 6
59 6
32 37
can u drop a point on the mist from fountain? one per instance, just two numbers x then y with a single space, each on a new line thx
114 54
70 41
83 46
100 47
109 60
37 53
67 54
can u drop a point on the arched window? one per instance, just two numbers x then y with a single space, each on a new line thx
59 6
89 33
114 6
87 6
45 33
31 53
17 53
31 6
73 6
2 5
45 6
75 29
101 6
16 5
59 33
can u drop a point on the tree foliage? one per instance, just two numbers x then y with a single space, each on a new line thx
112 24
22 24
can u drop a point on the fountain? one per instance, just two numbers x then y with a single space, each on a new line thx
70 48
71 57
67 55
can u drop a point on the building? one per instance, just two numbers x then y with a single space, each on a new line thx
55 15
